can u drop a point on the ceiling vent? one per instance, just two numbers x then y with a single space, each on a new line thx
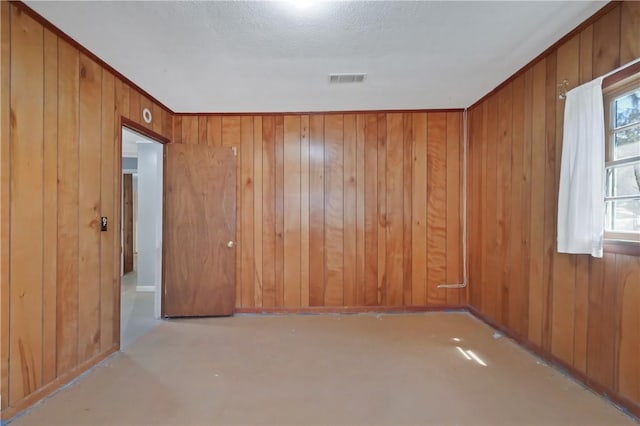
346 78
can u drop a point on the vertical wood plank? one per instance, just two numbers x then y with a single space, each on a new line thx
268 212
563 307
334 210
50 193
628 342
292 262
382 209
157 114
492 260
135 110
602 311
316 210
582 262
537 203
5 161
107 208
371 209
279 168
453 186
525 260
89 205
360 210
436 206
68 172
190 130
177 129
419 211
349 209
247 267
214 130
118 111
407 134
257 206
503 199
606 42
231 136
203 129
26 204
304 211
514 255
550 199
629 31
395 209
476 212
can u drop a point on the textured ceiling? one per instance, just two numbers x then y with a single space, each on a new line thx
276 56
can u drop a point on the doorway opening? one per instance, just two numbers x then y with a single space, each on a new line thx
141 235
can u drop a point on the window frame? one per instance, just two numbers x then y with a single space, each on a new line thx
618 242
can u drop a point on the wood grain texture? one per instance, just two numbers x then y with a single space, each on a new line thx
394 210
89 153
292 225
257 209
629 31
68 215
316 210
198 221
349 209
50 204
127 223
454 196
5 185
26 207
60 132
419 211
334 209
574 308
268 212
436 207
110 175
248 268
370 209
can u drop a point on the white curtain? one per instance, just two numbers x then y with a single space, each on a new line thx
581 194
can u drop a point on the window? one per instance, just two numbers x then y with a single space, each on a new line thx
622 187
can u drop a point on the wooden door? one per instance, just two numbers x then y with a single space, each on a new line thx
127 222
199 231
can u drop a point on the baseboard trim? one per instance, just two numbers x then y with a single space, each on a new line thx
630 407
146 288
8 414
352 309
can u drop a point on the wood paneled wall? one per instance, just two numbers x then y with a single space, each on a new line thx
343 210
60 169
581 310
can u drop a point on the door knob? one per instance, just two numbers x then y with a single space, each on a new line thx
230 244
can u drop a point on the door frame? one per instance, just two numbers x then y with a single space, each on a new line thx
132 125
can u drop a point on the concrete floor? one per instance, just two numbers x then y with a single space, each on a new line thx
330 369
136 311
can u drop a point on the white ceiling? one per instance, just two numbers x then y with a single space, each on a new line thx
276 56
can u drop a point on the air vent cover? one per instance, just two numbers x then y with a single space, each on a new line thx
347 78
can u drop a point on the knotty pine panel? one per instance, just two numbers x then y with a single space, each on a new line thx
59 163
575 308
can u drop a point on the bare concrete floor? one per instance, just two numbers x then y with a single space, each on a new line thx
136 311
347 370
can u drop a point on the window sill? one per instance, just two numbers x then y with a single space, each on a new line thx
630 248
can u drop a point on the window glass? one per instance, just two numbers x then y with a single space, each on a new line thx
627 109
622 196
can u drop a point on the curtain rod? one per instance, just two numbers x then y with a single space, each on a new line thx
563 86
